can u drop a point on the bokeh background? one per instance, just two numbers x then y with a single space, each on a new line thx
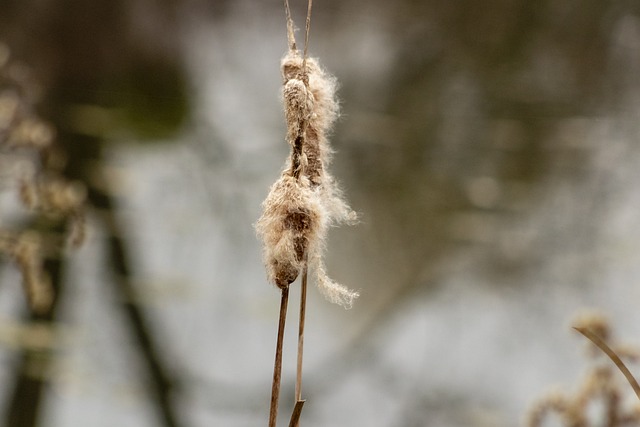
491 149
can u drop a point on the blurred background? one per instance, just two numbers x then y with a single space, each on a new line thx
491 149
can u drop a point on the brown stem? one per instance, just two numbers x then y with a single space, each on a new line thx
305 77
290 33
277 368
612 355
295 415
306 33
303 310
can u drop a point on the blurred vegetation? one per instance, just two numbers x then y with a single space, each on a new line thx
100 78
461 119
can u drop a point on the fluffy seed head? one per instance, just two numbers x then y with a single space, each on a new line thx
305 200
291 222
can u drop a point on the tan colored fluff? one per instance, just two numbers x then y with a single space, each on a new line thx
290 222
305 201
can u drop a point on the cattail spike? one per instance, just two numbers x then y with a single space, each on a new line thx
306 200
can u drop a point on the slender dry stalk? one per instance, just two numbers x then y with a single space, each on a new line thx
297 411
612 355
277 368
295 415
303 311
306 31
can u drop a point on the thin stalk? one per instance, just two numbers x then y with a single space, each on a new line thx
290 32
277 368
613 356
307 28
295 415
303 310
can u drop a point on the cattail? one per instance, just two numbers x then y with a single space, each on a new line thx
290 223
306 200
303 202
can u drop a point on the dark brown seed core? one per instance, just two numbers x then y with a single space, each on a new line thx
300 222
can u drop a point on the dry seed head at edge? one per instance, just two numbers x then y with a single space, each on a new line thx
305 200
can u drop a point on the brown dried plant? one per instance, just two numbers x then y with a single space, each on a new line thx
305 201
32 167
602 385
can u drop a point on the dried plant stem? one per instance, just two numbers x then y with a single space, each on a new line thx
612 355
306 34
277 368
295 415
303 311
290 33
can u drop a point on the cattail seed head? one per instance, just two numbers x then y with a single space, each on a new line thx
310 110
305 200
318 82
291 222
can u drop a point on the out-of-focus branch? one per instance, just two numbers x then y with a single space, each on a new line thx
160 384
25 402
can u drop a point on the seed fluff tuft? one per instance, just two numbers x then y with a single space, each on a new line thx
306 200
